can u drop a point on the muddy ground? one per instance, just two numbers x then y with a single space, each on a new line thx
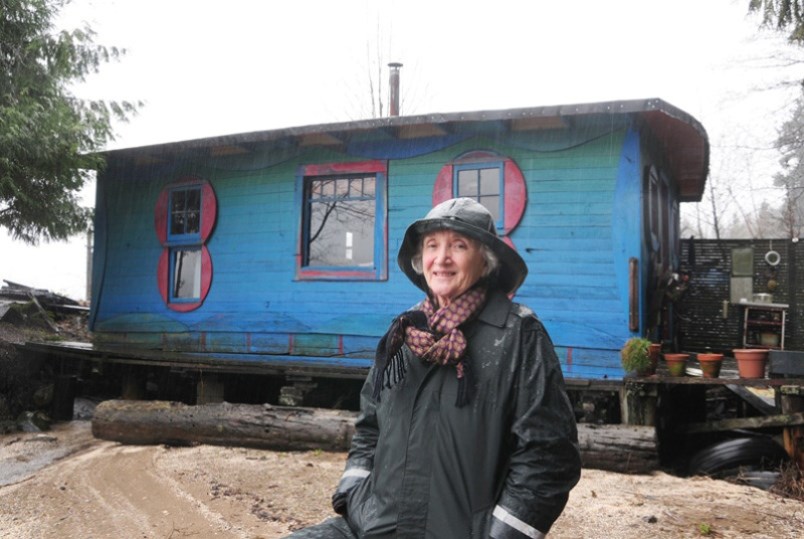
64 484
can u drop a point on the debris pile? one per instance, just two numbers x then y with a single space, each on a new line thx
26 314
21 304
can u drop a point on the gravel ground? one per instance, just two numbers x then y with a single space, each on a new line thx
65 484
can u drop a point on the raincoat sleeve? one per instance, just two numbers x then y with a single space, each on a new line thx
361 454
545 461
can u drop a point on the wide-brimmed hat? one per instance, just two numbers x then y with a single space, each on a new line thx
468 217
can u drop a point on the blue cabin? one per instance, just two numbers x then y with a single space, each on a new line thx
276 250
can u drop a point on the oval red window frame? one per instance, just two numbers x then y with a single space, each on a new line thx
514 191
209 215
163 280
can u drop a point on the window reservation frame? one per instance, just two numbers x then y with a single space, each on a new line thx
201 217
306 176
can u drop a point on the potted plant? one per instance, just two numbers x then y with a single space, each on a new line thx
710 364
676 363
751 362
635 357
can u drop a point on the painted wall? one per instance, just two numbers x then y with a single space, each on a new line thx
581 225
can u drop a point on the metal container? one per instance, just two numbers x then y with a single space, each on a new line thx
763 298
767 338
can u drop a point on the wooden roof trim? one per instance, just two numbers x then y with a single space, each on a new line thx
689 151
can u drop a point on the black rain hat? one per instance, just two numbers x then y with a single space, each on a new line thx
468 217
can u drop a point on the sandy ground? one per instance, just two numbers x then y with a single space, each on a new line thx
66 484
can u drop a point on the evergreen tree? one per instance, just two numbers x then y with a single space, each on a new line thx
48 136
783 15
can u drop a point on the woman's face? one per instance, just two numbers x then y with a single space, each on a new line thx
451 264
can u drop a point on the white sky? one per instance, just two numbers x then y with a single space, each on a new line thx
206 68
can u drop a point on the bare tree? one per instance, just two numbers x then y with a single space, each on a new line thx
791 179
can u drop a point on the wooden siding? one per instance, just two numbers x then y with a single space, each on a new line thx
581 225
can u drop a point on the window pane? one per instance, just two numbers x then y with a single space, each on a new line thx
369 187
185 211
492 203
177 201
490 181
193 222
341 233
467 183
316 189
356 187
186 274
193 199
177 223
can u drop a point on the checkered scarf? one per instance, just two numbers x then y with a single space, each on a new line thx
434 336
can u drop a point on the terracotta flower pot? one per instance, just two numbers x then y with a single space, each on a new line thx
710 364
751 362
676 363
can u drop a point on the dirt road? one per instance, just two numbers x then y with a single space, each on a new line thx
100 489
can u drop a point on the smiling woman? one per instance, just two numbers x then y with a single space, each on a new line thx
501 467
451 263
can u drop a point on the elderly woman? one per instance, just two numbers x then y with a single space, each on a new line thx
465 427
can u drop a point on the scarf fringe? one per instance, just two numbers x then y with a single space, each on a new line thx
391 375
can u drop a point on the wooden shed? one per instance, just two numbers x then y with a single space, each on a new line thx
277 249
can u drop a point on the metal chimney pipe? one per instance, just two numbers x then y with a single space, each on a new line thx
394 84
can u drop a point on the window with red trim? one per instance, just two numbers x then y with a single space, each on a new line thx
184 217
343 223
493 180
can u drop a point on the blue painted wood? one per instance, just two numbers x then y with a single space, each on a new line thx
582 223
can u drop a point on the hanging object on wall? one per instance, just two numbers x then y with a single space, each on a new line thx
772 257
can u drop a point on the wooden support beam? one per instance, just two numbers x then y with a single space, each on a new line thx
792 403
638 404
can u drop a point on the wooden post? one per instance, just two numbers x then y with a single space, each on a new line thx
638 403
63 397
208 389
133 384
792 401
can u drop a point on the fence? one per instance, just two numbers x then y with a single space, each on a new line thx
702 320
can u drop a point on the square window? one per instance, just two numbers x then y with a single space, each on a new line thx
341 227
343 222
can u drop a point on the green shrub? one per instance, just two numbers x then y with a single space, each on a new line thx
635 355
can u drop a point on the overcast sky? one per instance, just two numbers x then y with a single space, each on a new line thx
206 68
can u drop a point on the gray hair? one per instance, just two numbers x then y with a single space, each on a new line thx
492 262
